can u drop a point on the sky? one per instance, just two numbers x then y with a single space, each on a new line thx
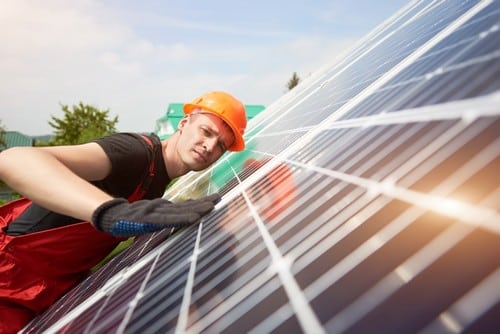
135 57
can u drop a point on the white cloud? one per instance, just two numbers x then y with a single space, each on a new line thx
54 52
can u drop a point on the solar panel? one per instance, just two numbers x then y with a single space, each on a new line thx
367 200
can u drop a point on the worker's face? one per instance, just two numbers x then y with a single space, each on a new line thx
203 139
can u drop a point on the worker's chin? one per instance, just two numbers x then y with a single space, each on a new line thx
198 165
195 162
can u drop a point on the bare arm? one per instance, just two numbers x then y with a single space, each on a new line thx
56 177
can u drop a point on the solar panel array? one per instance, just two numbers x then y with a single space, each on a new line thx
368 200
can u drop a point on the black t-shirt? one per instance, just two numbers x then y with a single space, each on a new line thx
130 158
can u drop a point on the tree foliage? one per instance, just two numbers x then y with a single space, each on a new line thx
81 124
294 81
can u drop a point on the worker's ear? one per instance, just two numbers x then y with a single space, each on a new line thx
183 122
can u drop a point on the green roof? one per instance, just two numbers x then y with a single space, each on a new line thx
14 138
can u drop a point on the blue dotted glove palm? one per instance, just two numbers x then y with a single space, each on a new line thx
120 218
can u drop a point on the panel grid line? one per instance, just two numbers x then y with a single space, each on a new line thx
186 300
404 273
467 213
281 264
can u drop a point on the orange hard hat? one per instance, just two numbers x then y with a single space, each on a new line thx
228 108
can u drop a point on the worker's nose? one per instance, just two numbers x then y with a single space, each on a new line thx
210 144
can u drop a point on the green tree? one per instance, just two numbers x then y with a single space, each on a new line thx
81 124
294 81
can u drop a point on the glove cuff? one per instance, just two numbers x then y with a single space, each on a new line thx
101 219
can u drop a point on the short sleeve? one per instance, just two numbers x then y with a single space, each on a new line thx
129 158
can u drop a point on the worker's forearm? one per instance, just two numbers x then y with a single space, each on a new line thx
45 180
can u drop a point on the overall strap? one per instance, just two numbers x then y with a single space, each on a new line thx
143 186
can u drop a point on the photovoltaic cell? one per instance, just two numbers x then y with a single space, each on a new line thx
367 200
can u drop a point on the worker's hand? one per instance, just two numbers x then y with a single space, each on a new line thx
120 218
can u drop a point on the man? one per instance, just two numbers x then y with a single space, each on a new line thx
87 198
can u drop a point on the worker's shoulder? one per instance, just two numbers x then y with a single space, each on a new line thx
127 138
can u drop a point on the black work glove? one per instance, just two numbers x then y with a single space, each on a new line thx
120 218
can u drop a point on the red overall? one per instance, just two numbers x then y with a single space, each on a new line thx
37 268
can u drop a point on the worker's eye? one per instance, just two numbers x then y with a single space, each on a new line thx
206 132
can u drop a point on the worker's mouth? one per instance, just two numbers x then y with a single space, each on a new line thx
200 157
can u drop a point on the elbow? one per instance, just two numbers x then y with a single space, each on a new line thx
4 162
10 162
